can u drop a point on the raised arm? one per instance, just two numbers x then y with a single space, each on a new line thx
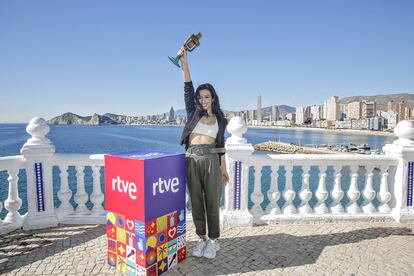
189 97
184 63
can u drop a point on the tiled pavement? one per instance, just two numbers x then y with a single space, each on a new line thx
360 248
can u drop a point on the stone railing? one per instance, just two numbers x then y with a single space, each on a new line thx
346 187
391 198
38 160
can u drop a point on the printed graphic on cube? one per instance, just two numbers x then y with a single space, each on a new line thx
145 202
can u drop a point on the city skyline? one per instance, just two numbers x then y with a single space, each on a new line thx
101 56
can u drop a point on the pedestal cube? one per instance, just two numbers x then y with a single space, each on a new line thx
145 202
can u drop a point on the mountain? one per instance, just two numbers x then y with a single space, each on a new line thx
283 110
71 118
382 100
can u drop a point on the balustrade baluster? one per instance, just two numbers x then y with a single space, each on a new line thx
257 196
353 192
81 196
13 202
384 196
64 193
273 194
289 194
305 193
337 193
321 192
97 196
369 193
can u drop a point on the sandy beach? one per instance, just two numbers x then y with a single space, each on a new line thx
353 131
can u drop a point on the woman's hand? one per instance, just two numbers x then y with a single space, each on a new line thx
224 175
183 53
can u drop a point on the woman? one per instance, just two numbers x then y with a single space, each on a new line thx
203 136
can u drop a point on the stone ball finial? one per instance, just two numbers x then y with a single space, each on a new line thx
37 128
38 143
236 127
405 132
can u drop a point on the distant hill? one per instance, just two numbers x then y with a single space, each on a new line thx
382 100
71 118
283 110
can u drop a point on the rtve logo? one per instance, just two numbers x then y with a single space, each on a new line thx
161 186
124 187
165 185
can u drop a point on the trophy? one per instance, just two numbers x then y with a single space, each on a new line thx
192 42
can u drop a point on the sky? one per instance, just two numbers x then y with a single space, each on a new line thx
101 56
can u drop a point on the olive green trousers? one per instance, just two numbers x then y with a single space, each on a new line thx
204 184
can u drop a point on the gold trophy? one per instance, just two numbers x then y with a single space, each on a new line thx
192 42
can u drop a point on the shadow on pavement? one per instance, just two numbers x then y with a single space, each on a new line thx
20 248
237 254
267 252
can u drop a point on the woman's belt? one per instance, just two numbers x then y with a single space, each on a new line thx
203 150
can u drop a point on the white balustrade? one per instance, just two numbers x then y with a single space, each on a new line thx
394 193
66 212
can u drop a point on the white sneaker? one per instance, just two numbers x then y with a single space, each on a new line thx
198 250
211 248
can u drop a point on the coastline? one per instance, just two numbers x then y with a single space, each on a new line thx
353 131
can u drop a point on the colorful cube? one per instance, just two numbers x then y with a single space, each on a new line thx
145 202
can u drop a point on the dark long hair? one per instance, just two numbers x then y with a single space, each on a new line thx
215 104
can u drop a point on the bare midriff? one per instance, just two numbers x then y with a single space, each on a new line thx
198 139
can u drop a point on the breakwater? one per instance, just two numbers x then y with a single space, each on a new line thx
291 148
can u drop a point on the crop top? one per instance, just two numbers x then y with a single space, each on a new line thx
209 130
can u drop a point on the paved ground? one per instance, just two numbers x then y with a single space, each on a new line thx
288 249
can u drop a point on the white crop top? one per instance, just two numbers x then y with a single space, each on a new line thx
209 130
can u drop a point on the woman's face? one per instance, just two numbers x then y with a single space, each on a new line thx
205 99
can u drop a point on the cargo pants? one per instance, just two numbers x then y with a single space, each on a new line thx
204 184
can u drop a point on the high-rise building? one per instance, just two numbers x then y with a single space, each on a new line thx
390 118
407 113
401 111
172 117
291 116
300 115
325 110
251 115
259 108
315 112
343 111
368 109
275 113
354 110
332 109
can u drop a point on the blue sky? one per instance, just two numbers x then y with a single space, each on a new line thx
111 56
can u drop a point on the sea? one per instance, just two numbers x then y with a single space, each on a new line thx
112 139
